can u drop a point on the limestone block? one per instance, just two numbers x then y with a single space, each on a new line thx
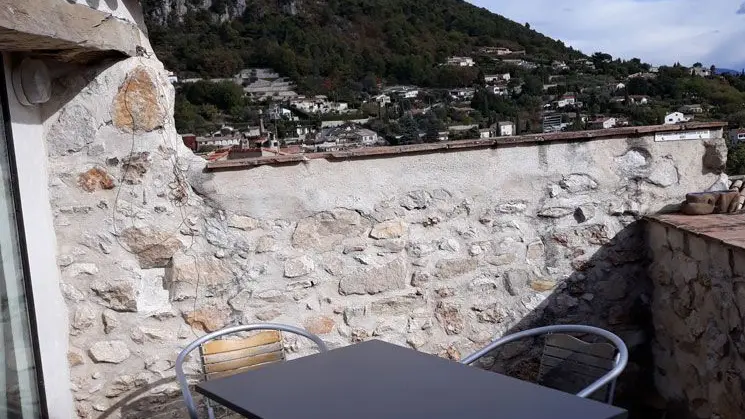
536 251
515 281
392 276
542 284
489 313
319 325
451 268
397 306
136 106
419 279
267 315
155 334
94 179
420 249
243 223
83 318
578 182
240 301
77 269
134 167
208 318
74 129
118 295
555 212
110 351
391 245
502 259
265 244
512 207
186 271
75 357
110 321
634 163
416 200
664 173
449 316
325 230
152 247
391 229
299 267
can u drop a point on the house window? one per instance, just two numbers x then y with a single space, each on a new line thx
19 394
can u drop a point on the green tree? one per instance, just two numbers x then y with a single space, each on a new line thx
736 160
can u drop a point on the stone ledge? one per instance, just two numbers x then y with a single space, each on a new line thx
373 152
728 229
68 31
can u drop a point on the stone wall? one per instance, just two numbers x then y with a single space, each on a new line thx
440 252
698 306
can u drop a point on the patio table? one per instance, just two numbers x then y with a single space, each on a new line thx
378 380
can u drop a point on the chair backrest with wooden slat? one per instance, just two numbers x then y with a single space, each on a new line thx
224 357
570 364
221 357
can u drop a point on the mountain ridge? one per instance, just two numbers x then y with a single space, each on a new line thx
400 40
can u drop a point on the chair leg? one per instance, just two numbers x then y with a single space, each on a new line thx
611 391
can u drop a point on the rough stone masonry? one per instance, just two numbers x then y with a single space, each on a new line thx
439 252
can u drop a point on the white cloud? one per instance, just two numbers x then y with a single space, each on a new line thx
657 31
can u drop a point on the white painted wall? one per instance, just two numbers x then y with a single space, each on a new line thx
51 310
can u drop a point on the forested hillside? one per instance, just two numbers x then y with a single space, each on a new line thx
336 41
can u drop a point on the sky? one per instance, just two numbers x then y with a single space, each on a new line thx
657 31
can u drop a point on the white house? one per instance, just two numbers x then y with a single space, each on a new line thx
494 78
484 133
349 135
506 129
620 86
461 61
382 100
565 101
559 65
691 109
603 123
737 136
700 71
463 93
172 78
676 118
499 90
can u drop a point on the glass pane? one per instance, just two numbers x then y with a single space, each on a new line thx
18 391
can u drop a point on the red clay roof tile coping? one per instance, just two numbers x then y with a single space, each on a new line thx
370 152
727 229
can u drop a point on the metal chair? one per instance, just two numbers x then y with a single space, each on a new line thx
220 358
571 362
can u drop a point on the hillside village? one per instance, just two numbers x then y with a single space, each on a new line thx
512 94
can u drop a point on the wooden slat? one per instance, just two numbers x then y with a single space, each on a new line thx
215 375
226 345
243 362
600 350
570 364
593 361
242 353
572 367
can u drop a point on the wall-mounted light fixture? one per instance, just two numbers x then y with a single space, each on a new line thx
31 82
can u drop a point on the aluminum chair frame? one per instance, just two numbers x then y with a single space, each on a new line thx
182 380
621 360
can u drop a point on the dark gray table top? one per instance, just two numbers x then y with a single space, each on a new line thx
378 380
